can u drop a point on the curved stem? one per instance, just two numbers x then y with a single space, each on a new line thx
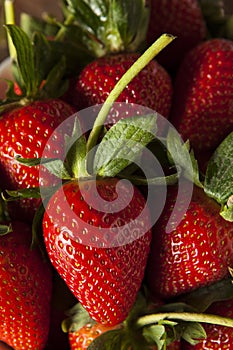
184 316
131 73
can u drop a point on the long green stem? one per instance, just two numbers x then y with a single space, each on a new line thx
184 316
10 19
131 73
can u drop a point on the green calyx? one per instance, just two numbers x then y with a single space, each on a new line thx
147 325
219 177
37 75
105 27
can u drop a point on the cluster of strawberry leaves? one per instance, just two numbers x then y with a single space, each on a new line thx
177 157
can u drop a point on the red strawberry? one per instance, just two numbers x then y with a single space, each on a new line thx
81 339
151 87
89 244
198 250
182 18
25 291
25 131
203 94
218 337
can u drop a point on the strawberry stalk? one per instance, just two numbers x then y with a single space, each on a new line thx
10 19
184 316
131 73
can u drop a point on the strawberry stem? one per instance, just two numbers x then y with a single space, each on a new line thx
60 34
131 73
10 19
184 316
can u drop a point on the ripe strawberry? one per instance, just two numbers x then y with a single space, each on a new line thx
30 113
198 250
25 131
203 93
81 339
25 291
151 87
218 337
182 18
89 244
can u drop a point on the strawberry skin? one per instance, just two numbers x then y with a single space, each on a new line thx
218 337
81 339
104 272
151 87
203 95
197 252
25 291
25 131
182 18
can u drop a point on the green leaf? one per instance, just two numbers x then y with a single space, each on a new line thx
110 26
110 340
77 318
55 84
5 229
123 143
180 155
219 176
203 297
31 24
54 165
157 181
9 196
155 334
25 56
76 151
193 333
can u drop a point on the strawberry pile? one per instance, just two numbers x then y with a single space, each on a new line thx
116 204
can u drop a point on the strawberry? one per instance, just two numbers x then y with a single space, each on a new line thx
196 252
81 339
25 131
103 270
182 18
25 290
29 118
151 87
202 103
218 337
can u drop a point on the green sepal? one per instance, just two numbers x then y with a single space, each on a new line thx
193 333
54 165
202 298
38 75
77 318
109 26
123 143
5 229
156 181
219 23
181 155
76 151
219 177
13 195
25 57
31 24
155 335
227 212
